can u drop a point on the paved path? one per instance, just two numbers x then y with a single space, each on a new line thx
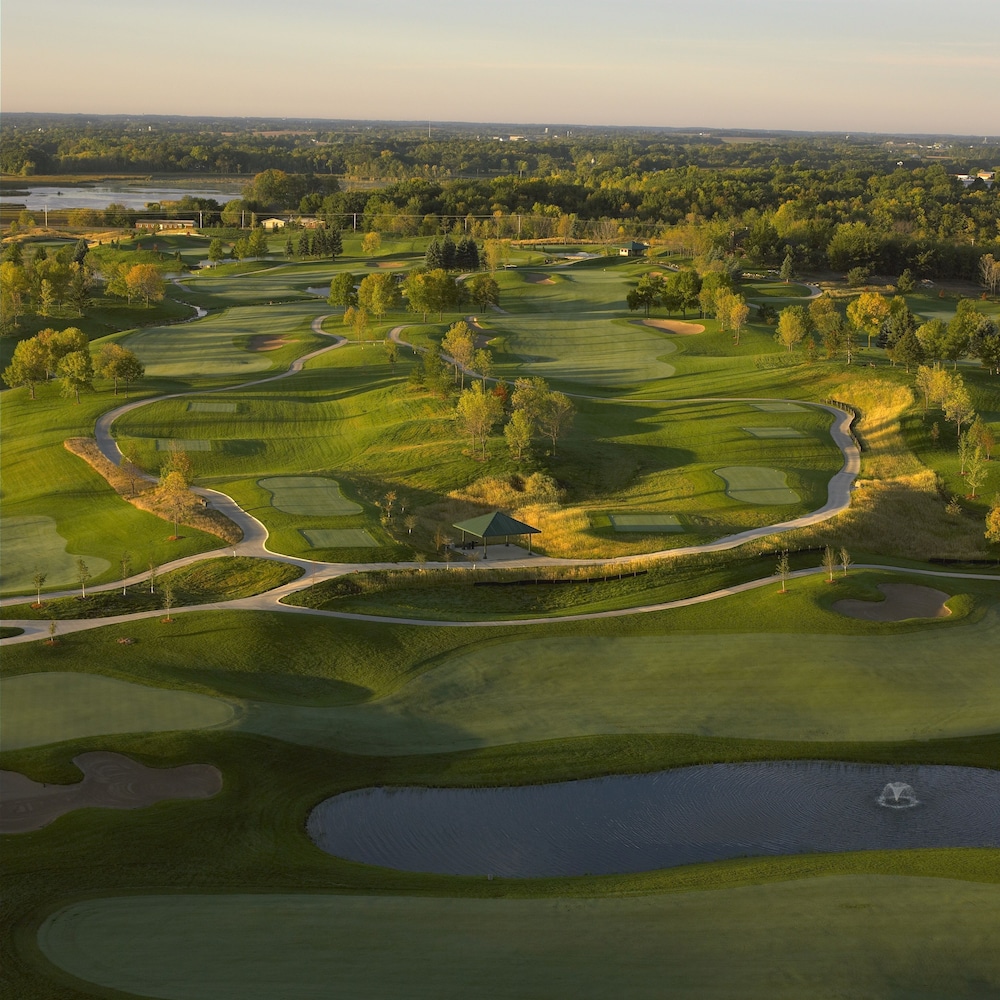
254 542
271 601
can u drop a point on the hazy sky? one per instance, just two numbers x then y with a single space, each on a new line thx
839 65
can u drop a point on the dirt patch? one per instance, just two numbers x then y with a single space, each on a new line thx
266 342
392 264
902 601
672 326
538 279
110 781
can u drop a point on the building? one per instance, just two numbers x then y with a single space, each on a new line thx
632 249
158 225
271 224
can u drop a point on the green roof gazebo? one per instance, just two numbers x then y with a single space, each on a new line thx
495 525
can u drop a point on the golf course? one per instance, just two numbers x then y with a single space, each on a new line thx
742 555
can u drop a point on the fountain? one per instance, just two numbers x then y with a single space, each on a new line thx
898 795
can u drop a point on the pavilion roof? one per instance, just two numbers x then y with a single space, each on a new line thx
496 525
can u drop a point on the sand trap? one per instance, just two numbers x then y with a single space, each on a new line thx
538 279
672 326
266 342
392 264
902 601
110 781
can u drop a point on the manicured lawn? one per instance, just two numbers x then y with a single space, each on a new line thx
848 936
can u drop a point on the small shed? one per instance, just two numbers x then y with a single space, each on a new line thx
272 224
495 525
632 249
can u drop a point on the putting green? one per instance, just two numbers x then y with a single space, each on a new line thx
774 432
779 407
844 936
52 707
339 538
311 495
31 545
203 406
934 683
215 345
172 444
753 484
645 522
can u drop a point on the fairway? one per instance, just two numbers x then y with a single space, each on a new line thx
33 544
773 432
752 484
52 707
845 936
204 406
311 495
339 538
218 344
921 685
779 407
646 522
174 444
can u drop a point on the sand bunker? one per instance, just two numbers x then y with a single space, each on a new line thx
672 326
110 781
902 601
266 342
539 279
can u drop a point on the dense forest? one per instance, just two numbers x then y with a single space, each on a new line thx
880 203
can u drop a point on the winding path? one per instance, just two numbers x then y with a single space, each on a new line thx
254 542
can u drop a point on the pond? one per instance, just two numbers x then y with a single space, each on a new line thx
99 196
631 823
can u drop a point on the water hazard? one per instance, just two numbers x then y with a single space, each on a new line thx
629 823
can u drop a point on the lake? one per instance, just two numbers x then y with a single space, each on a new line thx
99 196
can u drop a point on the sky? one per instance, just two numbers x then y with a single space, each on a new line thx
910 66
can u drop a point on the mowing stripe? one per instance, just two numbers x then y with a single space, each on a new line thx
171 444
339 538
753 484
774 432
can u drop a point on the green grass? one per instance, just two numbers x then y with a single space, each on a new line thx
43 480
33 544
646 522
338 538
203 582
753 484
219 345
312 495
880 936
53 707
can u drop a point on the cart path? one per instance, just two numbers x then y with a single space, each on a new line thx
271 601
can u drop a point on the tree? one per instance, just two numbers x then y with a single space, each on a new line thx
482 364
517 432
985 345
529 395
76 370
28 365
478 412
14 289
335 245
782 569
59 343
39 581
907 350
989 273
976 473
964 451
216 251
459 344
125 562
993 520
556 417
342 291
371 243
867 313
982 435
646 294
496 253
83 574
793 325
378 294
80 287
357 319
120 365
961 328
684 286
932 336
957 404
483 290
787 266
739 312
845 559
829 562
174 497
144 280
905 283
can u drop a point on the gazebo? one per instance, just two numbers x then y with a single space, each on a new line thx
495 525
